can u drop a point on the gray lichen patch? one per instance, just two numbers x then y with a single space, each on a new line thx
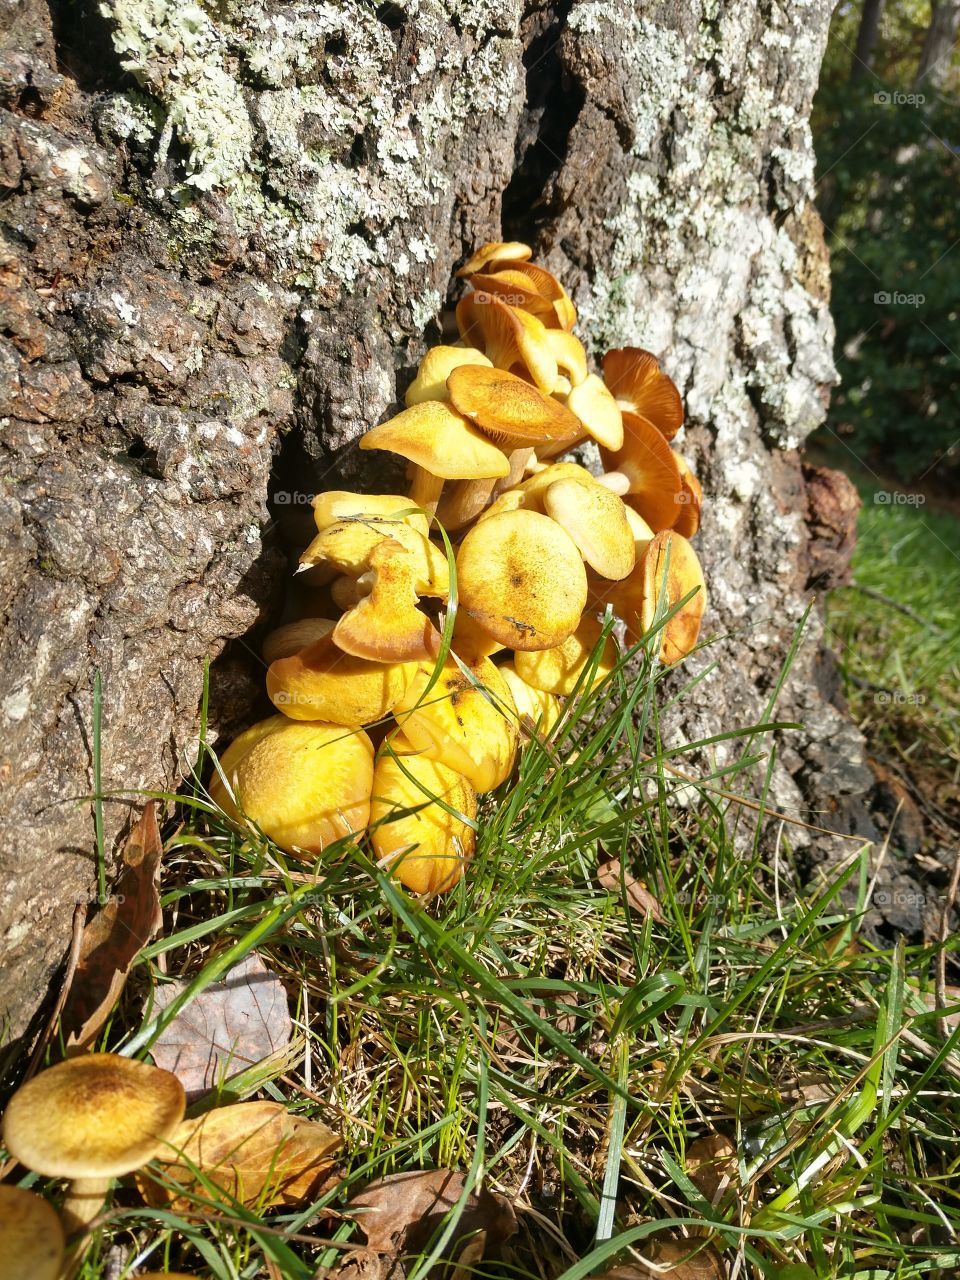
328 148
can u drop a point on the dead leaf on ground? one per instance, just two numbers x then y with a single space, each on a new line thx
686 1259
712 1165
115 936
399 1215
257 1152
639 897
229 1026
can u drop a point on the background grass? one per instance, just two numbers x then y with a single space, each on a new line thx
531 1029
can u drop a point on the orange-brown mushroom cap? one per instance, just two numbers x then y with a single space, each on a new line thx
690 499
641 387
507 409
668 565
495 251
651 469
31 1236
509 337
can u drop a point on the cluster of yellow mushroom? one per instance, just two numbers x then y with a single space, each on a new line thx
543 547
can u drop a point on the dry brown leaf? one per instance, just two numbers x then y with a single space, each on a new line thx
639 897
679 1259
400 1213
228 1027
712 1164
254 1151
115 936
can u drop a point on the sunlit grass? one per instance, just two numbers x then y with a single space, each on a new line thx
530 1029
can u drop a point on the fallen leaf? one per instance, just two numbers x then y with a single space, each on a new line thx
257 1152
399 1215
228 1027
639 897
115 936
678 1259
712 1164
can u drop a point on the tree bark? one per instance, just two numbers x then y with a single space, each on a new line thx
229 237
934 66
866 39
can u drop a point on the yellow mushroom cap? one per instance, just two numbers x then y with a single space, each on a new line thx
96 1116
427 850
558 670
507 409
547 285
636 599
289 639
570 355
304 783
496 251
386 625
641 387
470 640
516 290
324 683
541 709
347 547
467 721
596 520
508 337
338 504
435 437
435 367
651 468
31 1236
641 531
598 411
521 577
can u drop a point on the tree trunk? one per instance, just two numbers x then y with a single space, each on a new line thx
866 39
229 236
935 56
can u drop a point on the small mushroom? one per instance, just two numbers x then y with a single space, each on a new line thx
338 505
386 625
508 337
649 468
421 814
441 445
31 1237
570 356
304 783
600 414
636 599
641 387
470 641
511 251
511 286
557 670
521 577
596 520
467 720
92 1119
524 276
435 367
289 639
322 682
346 548
541 709
516 416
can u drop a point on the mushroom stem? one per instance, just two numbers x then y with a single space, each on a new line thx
518 460
425 488
463 502
618 481
85 1198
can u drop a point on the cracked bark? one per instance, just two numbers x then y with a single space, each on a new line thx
172 356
